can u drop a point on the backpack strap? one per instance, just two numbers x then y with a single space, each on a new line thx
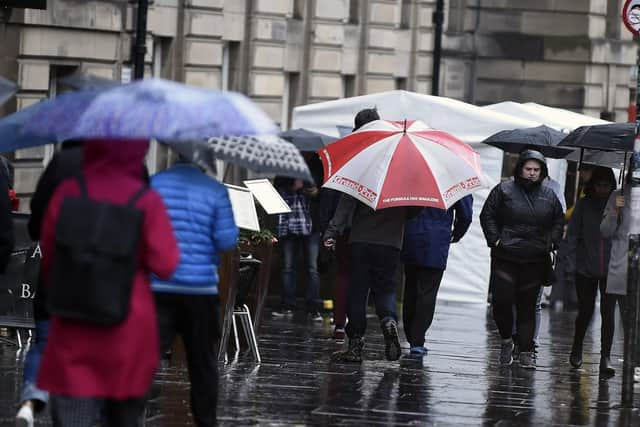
83 185
138 194
130 203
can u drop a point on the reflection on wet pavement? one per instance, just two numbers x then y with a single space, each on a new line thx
458 383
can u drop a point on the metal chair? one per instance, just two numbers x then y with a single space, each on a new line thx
248 270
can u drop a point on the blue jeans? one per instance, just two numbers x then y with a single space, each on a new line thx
32 365
290 249
373 268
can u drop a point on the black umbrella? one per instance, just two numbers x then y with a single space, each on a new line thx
541 138
610 159
609 137
307 140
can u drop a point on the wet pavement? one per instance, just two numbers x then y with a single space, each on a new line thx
458 383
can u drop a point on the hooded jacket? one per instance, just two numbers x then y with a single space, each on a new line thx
115 362
522 220
201 215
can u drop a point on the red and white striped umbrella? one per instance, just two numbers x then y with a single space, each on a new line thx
394 163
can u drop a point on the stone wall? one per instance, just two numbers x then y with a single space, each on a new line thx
570 53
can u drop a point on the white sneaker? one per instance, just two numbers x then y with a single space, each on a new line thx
24 418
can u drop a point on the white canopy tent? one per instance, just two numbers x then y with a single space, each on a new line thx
467 276
557 118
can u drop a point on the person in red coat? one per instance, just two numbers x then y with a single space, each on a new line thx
90 369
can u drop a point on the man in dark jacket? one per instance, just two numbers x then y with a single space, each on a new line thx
64 164
522 221
425 252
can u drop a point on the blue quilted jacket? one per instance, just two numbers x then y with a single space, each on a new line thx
202 220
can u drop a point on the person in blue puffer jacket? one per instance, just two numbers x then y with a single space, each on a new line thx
187 304
424 253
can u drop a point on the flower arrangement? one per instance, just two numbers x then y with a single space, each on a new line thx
256 238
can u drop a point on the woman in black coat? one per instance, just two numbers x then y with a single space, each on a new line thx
522 221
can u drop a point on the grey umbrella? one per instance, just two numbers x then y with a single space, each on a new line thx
7 89
263 154
307 140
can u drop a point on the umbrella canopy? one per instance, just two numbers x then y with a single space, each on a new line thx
390 163
7 89
307 140
610 159
541 138
149 109
11 136
263 154
610 137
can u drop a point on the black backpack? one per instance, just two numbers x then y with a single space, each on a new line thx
95 259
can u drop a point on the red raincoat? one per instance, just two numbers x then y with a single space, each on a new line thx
117 362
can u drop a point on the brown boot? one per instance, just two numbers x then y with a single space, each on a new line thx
353 353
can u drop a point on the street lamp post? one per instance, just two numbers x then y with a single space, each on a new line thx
631 19
438 20
140 48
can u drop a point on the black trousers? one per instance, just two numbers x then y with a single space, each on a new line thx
586 290
373 267
516 284
421 286
196 318
84 412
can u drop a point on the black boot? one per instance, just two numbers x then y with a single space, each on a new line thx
391 340
576 355
352 354
606 370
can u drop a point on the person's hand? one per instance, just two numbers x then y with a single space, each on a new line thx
330 244
311 191
619 202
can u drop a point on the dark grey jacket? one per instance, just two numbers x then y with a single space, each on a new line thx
588 251
382 227
520 226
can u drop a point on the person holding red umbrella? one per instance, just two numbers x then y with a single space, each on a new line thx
375 241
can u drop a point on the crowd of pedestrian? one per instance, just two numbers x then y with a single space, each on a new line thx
87 366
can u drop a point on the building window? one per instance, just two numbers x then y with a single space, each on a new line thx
353 16
404 14
401 83
348 86
298 9
289 97
230 66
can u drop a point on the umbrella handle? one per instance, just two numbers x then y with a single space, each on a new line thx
576 194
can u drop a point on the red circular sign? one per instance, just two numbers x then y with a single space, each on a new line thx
631 15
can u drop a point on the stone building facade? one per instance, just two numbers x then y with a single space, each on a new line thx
568 53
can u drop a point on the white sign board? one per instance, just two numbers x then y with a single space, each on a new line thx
244 208
267 196
631 15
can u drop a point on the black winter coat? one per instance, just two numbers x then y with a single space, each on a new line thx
65 164
521 226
